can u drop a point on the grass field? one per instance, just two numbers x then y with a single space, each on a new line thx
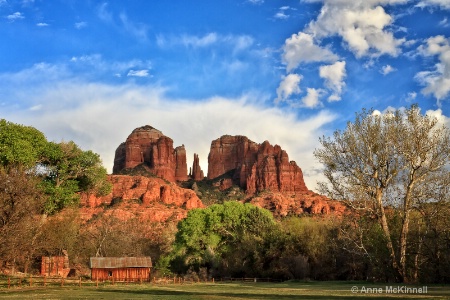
213 291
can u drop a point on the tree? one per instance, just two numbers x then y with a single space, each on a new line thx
20 145
214 237
21 204
383 160
70 170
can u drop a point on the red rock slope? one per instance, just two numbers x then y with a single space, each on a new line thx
153 198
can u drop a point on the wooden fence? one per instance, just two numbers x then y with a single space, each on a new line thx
45 281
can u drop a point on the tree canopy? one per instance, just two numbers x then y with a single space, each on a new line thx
380 160
20 145
207 235
63 167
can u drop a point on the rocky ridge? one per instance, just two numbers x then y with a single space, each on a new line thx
261 174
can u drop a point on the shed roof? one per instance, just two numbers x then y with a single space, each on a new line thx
120 262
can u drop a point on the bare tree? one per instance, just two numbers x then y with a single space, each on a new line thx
383 160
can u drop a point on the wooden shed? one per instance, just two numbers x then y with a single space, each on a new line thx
121 268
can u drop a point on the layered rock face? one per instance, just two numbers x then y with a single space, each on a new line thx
147 145
153 198
256 167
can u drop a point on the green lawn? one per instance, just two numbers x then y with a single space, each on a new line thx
235 291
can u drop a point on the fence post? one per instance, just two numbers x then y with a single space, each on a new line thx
31 281
213 279
62 281
9 282
45 281
97 282
20 282
80 281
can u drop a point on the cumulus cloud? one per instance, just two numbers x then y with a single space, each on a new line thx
363 26
15 16
334 78
138 73
301 48
437 81
288 86
440 117
312 98
42 24
387 69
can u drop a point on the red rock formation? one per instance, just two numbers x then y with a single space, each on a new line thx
148 145
197 173
146 190
180 164
283 204
257 167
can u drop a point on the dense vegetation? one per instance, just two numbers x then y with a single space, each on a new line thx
391 170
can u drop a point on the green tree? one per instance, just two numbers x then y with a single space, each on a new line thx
210 237
70 170
20 145
388 159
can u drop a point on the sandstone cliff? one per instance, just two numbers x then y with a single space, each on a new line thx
147 145
153 198
256 167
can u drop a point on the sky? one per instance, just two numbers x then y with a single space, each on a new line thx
284 71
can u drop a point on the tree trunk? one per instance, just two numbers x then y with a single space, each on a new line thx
387 234
403 243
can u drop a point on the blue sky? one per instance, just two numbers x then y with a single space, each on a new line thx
283 71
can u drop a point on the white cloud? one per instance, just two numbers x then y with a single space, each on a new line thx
411 96
444 4
80 25
363 25
42 24
100 116
334 78
257 2
444 22
3 2
15 16
441 118
194 41
387 69
236 42
281 15
288 86
301 48
437 81
95 63
138 73
312 98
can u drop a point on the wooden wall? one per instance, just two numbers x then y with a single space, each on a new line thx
121 274
55 266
